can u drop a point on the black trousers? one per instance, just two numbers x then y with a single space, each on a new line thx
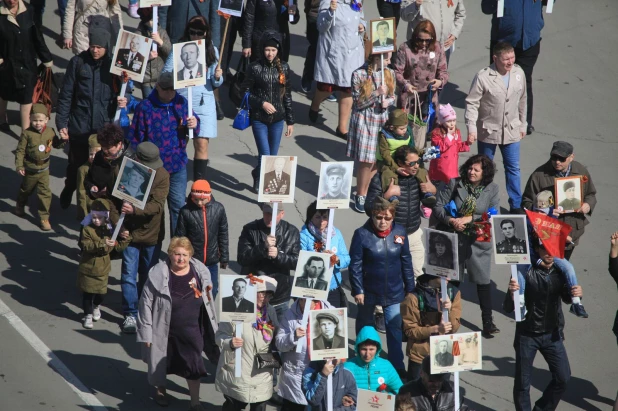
78 156
484 294
234 29
232 404
337 298
388 10
414 371
526 59
312 38
292 406
89 301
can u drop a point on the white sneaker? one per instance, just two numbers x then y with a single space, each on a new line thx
132 12
88 322
129 326
96 313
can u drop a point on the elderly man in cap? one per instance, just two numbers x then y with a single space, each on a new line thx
164 119
561 163
328 338
431 391
147 228
333 180
274 256
86 102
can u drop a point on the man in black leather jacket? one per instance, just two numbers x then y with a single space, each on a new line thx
540 331
260 253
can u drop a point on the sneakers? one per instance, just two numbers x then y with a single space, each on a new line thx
129 326
87 322
332 98
380 323
96 313
359 203
66 197
19 211
578 310
426 211
132 12
45 226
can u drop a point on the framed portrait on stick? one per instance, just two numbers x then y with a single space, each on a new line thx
312 276
189 64
569 193
231 7
134 182
335 184
510 239
277 179
455 352
441 254
131 55
237 299
383 36
329 334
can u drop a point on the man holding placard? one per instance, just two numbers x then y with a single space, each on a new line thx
431 391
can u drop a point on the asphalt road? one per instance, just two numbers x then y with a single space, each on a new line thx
575 100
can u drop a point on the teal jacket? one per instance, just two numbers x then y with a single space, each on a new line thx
369 376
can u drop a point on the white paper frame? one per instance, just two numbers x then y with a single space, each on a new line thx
123 191
341 333
226 282
305 292
270 190
438 268
341 200
521 232
179 66
460 361
138 68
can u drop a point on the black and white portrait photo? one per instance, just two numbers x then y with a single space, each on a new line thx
569 193
133 182
131 55
277 179
328 334
312 276
441 254
189 64
237 298
455 352
231 7
510 236
383 36
335 184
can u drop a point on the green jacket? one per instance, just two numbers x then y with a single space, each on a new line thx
83 199
34 148
388 144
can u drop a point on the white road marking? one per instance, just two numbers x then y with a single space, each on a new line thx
51 359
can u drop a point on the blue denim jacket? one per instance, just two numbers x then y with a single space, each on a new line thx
521 24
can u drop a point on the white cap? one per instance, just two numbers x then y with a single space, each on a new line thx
267 284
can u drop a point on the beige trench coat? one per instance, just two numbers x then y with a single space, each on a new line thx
446 20
81 14
496 114
155 312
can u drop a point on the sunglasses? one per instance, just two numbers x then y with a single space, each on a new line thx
555 157
381 217
196 33
413 163
419 40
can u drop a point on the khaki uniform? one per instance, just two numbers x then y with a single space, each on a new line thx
32 155
496 114
83 200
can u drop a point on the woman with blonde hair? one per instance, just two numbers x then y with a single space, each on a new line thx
83 15
373 92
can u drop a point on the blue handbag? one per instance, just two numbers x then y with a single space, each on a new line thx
242 120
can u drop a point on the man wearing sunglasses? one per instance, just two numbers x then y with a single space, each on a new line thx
561 163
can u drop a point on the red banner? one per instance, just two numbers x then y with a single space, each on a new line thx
552 232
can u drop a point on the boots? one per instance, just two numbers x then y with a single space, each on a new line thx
489 328
220 114
255 173
200 168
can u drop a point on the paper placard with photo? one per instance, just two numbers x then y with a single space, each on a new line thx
372 400
329 334
455 352
312 276
335 184
189 64
131 55
441 254
277 179
383 36
153 3
133 182
231 7
569 193
510 239
237 299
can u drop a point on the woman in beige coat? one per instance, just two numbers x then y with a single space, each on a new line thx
255 386
81 14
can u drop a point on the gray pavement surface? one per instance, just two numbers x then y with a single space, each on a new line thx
575 100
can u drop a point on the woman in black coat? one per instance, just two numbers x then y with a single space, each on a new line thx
21 42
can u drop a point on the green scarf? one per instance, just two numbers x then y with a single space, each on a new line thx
469 204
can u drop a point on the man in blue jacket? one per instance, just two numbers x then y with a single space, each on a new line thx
521 27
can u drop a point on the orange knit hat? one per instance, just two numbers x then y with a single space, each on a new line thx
200 188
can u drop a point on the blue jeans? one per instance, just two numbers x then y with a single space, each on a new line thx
176 197
267 138
137 260
281 309
510 158
552 349
214 277
563 265
394 333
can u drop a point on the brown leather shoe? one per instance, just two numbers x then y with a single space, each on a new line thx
45 226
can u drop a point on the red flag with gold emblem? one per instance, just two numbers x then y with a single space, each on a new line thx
552 232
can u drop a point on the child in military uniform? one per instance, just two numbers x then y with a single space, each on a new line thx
95 263
32 162
397 133
83 200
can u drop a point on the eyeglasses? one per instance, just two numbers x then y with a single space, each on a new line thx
413 163
381 217
196 33
420 40
556 157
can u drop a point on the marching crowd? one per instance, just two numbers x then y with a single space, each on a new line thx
383 101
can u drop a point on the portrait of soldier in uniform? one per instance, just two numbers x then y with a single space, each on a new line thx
511 243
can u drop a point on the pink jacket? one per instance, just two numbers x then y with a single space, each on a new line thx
446 167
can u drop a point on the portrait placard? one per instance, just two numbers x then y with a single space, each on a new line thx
131 55
383 36
237 299
329 334
153 3
231 7
277 179
372 400
312 276
510 239
569 193
335 184
189 64
455 352
441 254
134 182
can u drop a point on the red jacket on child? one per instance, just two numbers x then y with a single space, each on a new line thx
446 167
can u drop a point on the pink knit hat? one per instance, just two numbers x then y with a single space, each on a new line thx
446 113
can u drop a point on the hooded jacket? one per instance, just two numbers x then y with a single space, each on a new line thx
262 84
369 376
422 400
315 387
211 245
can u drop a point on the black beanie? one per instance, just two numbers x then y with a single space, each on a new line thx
272 42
